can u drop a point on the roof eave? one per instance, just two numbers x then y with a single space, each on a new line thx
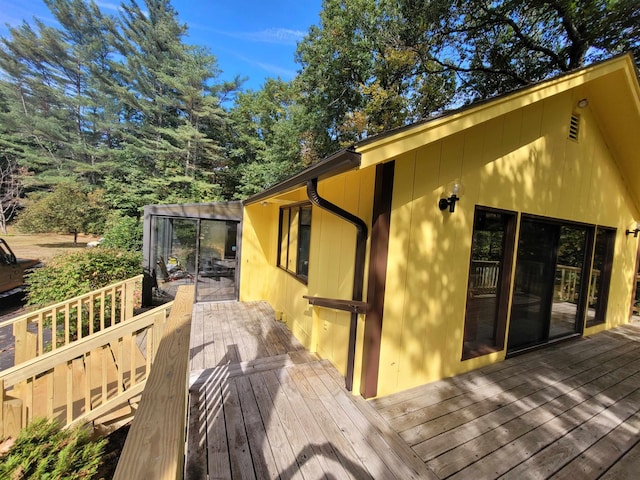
339 162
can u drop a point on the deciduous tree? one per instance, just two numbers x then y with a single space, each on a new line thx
67 209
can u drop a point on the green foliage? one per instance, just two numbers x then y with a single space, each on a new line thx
372 65
65 210
268 131
123 233
122 105
73 274
363 74
45 451
496 46
117 102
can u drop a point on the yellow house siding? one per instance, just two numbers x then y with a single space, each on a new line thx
331 264
511 153
522 161
333 244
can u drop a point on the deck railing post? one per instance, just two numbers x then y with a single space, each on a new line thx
129 298
155 443
10 414
25 342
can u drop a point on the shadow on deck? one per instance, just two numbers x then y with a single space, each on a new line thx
263 407
260 406
571 411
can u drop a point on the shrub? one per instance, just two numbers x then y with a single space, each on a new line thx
44 450
74 274
124 233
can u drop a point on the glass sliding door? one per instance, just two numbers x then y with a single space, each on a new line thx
199 251
567 306
175 252
217 260
600 276
549 289
535 268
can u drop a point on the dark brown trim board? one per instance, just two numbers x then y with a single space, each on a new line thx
636 273
381 223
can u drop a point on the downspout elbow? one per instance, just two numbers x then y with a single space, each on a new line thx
362 234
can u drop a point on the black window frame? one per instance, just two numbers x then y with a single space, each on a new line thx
604 280
301 244
503 286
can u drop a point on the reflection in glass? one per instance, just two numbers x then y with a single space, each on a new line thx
208 261
483 328
304 240
217 260
294 240
548 289
534 272
175 249
600 276
568 278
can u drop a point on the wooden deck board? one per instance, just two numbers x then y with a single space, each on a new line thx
556 455
268 413
308 422
263 459
578 420
542 402
594 461
269 409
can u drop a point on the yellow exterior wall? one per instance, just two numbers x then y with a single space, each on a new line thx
331 264
521 161
512 153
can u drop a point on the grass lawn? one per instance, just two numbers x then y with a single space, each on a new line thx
43 246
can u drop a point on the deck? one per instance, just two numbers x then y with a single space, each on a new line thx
262 407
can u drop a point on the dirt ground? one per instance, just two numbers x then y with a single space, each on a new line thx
43 246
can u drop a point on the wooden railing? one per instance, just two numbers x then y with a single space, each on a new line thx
83 380
484 276
58 325
154 447
568 281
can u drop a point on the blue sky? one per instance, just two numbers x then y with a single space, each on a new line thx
252 38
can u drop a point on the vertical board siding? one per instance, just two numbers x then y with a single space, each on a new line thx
331 263
522 161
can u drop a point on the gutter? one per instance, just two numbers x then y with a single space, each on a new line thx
358 274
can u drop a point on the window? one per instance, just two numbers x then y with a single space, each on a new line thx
294 237
488 285
600 276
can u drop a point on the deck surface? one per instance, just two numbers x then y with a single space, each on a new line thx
570 411
260 406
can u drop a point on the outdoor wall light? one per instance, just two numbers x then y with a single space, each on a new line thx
635 231
583 103
450 202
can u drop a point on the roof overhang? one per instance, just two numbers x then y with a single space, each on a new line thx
339 162
611 87
209 211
